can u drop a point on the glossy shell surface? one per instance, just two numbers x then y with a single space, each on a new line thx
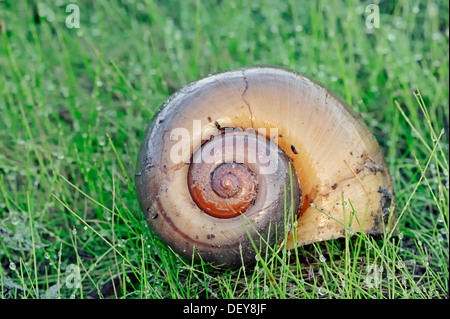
338 162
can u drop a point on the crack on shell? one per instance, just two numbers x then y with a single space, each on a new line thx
244 99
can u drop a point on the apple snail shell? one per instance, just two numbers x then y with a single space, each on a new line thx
236 160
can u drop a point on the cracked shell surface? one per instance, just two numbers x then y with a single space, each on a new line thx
336 158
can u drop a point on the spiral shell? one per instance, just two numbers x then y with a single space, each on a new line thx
331 175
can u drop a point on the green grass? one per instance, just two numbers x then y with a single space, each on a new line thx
75 103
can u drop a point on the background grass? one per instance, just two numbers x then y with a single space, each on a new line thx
75 103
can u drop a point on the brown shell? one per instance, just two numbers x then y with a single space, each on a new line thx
337 160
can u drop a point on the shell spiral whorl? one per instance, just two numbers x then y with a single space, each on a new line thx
223 174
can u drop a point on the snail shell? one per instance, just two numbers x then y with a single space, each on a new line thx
255 153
